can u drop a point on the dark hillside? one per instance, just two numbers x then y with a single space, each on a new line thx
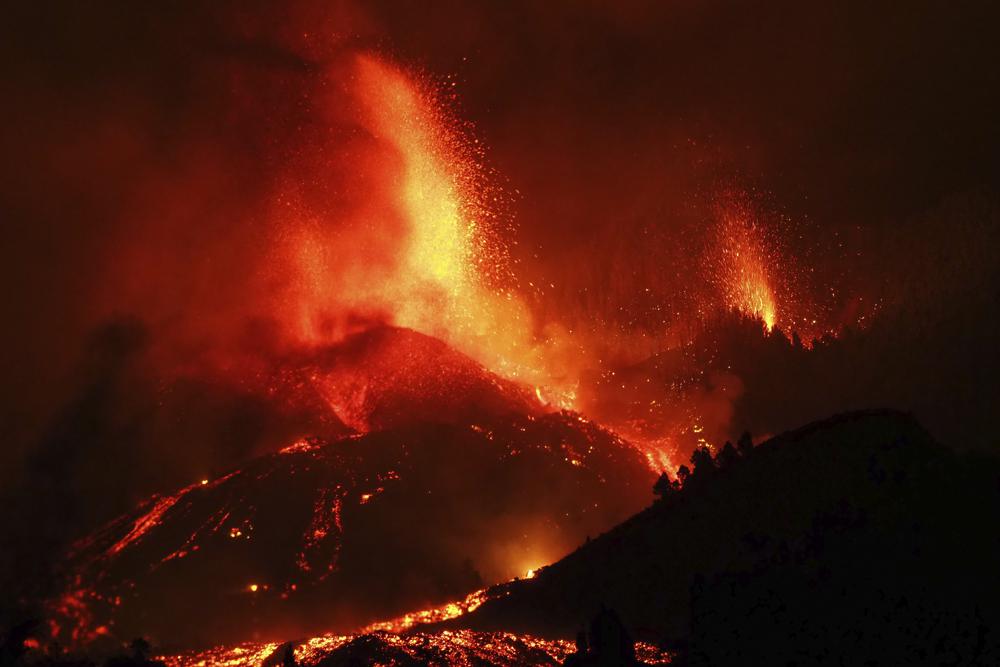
858 534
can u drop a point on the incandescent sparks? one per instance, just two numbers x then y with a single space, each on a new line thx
745 263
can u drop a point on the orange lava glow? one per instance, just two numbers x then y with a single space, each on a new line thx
429 256
457 647
746 263
151 518
445 612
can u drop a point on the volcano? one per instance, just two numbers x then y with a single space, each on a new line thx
388 376
421 333
451 479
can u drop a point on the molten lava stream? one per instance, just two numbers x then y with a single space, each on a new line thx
402 634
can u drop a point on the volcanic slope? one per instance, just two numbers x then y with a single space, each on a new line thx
856 538
389 376
459 481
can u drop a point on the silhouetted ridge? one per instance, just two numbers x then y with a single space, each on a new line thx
857 537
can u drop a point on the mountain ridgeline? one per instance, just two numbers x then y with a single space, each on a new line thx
857 538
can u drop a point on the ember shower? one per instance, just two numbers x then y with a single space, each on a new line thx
292 271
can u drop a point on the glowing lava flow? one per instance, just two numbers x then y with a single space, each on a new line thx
445 612
449 647
401 637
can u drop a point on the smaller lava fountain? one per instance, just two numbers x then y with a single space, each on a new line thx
745 261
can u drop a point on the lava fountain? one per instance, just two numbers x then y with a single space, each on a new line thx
746 261
447 274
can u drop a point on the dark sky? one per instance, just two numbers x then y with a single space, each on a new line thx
869 112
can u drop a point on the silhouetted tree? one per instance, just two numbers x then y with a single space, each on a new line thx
745 444
579 656
140 649
727 455
608 644
609 641
283 656
663 487
702 462
683 474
